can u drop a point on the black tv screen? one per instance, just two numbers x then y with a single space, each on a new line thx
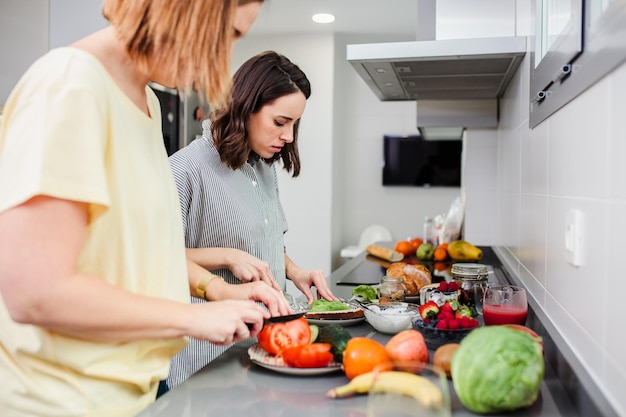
413 161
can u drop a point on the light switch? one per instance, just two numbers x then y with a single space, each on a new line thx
574 233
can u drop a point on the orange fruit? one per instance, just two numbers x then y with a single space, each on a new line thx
440 254
404 247
363 355
443 245
440 266
415 243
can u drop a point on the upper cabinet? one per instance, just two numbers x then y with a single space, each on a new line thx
576 43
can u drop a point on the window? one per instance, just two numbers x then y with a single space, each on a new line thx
575 46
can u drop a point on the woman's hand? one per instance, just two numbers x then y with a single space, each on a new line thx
305 279
229 321
248 268
273 299
245 267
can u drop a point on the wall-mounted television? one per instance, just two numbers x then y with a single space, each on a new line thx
413 161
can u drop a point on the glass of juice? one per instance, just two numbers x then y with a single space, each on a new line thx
504 304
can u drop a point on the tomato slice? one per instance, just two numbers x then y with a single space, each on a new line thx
316 355
277 336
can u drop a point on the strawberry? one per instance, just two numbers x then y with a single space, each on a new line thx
453 324
429 310
445 315
450 305
442 325
464 322
463 311
474 323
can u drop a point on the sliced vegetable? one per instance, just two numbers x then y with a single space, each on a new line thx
316 355
315 332
277 336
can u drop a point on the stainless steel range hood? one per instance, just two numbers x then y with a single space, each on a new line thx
448 69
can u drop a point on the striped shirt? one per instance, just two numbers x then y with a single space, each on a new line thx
227 208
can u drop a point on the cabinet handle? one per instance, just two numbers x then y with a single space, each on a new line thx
562 72
540 96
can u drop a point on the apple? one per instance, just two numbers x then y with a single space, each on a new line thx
405 347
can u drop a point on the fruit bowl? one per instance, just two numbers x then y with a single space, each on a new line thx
391 317
435 337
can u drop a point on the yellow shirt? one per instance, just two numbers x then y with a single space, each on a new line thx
70 132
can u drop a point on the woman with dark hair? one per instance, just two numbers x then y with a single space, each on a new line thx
228 188
94 290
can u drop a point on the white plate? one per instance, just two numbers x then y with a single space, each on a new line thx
340 322
273 363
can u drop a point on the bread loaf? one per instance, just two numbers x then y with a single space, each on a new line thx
414 276
353 313
384 253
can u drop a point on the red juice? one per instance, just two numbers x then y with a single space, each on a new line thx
495 314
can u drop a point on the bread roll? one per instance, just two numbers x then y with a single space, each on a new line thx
384 253
414 276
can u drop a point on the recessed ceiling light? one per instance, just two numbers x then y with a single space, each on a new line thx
323 18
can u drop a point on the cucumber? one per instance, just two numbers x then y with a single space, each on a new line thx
337 336
315 331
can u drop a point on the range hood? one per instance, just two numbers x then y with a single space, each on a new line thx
447 69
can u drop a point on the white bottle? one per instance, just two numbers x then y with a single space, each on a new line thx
430 234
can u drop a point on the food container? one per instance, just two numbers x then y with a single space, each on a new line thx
435 337
431 292
392 289
391 318
472 279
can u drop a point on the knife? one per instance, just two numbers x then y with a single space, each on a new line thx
281 319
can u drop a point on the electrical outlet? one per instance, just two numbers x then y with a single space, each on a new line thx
574 233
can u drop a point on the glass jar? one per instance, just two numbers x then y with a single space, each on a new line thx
392 288
472 279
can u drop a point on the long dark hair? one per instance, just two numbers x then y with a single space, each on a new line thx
259 81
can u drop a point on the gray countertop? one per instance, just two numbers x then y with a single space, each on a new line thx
233 386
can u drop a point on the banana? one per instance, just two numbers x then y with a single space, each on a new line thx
460 250
396 382
360 384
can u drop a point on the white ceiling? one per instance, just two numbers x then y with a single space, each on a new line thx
394 17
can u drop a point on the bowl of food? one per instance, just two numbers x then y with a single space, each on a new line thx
391 317
448 323
437 337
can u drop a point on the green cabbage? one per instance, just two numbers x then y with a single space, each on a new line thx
497 369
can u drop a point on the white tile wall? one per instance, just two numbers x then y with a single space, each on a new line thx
573 160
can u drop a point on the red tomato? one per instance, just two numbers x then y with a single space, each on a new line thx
277 336
316 355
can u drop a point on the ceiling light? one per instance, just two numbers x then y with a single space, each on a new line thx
323 18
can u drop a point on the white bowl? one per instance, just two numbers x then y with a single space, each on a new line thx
391 318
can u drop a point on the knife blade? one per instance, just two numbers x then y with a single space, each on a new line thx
280 319
285 318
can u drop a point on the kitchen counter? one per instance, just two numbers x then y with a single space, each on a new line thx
233 386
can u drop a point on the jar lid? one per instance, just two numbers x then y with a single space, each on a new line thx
392 279
468 269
